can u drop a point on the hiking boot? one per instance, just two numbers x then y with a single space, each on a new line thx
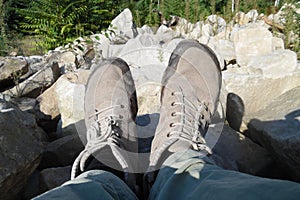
110 112
189 96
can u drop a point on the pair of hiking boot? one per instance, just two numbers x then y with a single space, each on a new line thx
189 95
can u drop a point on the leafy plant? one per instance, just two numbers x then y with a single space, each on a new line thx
61 21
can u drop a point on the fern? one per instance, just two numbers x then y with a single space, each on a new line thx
61 21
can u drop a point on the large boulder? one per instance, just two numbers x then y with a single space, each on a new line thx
254 90
236 152
275 65
62 152
276 128
34 85
20 149
11 69
65 98
250 42
122 25
53 177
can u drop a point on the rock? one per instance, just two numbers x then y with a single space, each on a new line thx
32 188
53 177
31 60
145 29
277 44
241 18
67 62
37 83
255 90
182 28
252 15
11 69
234 151
122 25
275 65
277 128
164 34
70 91
20 149
226 50
25 104
65 98
62 152
218 24
196 32
144 46
250 42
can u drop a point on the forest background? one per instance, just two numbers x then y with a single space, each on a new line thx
30 27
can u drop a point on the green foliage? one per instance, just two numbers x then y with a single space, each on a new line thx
61 21
292 27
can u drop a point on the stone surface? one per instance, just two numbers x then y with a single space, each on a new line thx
67 62
70 91
37 83
278 64
257 91
277 128
53 177
11 69
65 98
62 152
250 42
122 25
218 23
277 44
234 151
20 149
226 49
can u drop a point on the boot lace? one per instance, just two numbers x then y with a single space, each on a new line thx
192 126
104 131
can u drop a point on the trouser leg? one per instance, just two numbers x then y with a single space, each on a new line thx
94 184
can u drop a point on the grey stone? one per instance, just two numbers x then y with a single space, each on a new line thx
67 62
62 152
65 98
53 177
11 70
164 34
278 64
252 15
122 25
38 82
250 42
20 149
277 128
218 23
234 151
226 49
255 90
25 104
277 44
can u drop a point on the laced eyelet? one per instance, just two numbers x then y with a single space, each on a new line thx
172 93
173 114
173 104
168 134
172 125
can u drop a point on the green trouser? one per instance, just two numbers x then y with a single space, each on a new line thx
184 176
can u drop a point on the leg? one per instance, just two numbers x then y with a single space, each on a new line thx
91 185
190 92
186 176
